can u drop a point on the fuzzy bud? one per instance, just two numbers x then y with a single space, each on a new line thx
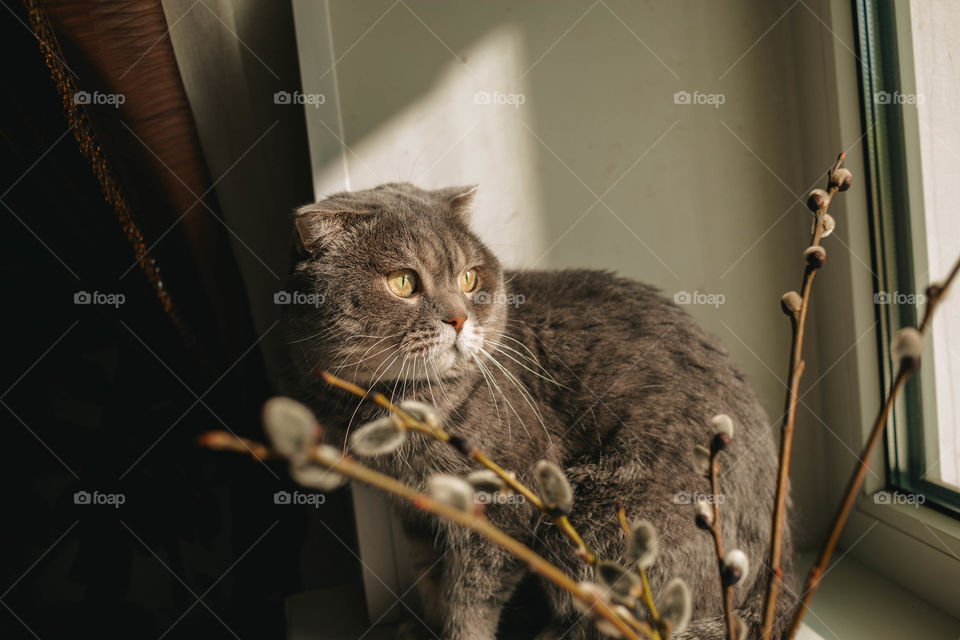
486 481
642 546
815 256
451 491
735 567
291 427
791 303
422 412
675 606
377 437
620 582
307 471
701 460
704 514
817 199
841 178
555 490
606 627
829 224
722 432
907 348
594 593
463 445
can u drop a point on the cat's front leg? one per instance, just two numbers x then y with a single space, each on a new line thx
477 580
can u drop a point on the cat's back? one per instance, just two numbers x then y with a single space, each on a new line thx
622 340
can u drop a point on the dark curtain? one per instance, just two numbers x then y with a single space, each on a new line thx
111 203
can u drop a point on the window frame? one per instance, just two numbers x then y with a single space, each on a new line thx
895 206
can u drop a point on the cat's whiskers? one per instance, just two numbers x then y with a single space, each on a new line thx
332 332
504 350
364 357
370 386
396 382
450 404
531 358
496 405
493 380
426 375
318 334
524 393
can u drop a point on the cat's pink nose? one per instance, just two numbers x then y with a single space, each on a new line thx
457 322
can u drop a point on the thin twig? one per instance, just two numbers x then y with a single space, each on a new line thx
798 322
935 295
716 530
473 453
475 521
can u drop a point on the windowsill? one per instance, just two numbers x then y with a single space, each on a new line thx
932 527
916 548
856 602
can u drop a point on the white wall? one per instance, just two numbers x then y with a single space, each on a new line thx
600 167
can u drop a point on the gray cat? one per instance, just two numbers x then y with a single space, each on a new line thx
599 374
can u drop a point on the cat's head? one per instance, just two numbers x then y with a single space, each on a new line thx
402 288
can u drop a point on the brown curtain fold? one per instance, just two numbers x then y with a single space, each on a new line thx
134 125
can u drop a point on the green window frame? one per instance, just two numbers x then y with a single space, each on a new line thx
895 202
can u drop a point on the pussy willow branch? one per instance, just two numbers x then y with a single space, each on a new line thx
476 522
646 595
473 453
798 322
935 294
717 534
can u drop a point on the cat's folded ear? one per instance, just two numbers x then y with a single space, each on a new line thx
459 200
317 225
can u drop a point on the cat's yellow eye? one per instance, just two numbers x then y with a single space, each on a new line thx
469 280
402 282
